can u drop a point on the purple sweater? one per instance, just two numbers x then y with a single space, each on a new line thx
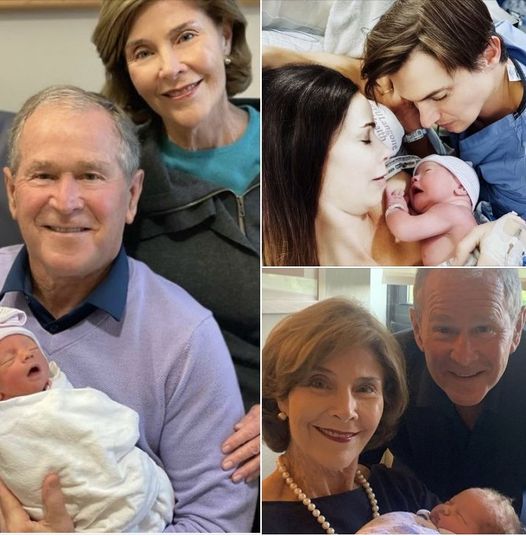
167 360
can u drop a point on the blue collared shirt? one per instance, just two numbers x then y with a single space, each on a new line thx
110 295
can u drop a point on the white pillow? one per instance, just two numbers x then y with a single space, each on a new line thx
306 15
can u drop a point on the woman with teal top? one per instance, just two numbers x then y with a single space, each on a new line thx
174 66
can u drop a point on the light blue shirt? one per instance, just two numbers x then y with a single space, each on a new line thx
498 151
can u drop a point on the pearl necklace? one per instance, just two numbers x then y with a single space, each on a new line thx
311 507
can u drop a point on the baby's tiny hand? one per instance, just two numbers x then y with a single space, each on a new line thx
396 197
395 202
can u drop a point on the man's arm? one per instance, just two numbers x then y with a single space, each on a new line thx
203 404
480 237
273 57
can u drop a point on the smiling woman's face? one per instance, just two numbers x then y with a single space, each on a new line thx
24 370
175 57
353 179
337 409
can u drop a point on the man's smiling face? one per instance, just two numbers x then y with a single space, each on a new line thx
464 328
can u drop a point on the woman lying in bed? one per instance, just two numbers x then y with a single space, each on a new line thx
324 174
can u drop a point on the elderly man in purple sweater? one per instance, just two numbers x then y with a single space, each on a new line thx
108 321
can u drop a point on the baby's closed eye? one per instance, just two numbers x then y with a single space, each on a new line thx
6 361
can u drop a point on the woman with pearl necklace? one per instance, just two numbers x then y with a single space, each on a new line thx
333 386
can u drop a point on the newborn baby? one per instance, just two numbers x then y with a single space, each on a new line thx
443 194
81 434
472 511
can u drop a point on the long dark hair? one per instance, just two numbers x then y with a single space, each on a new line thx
303 107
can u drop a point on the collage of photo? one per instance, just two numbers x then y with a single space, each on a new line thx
263 266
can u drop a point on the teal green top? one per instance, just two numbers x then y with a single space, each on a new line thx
232 166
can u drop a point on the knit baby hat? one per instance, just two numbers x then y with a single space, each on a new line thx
463 171
12 322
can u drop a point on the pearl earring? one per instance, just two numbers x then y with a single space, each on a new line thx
228 60
282 416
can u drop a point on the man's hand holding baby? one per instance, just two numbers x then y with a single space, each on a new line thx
13 518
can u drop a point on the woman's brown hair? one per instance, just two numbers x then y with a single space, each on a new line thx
111 33
306 339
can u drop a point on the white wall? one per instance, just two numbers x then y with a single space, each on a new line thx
42 47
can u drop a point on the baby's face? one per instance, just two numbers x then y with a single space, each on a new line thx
23 368
431 184
465 513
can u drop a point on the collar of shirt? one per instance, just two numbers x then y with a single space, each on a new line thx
109 296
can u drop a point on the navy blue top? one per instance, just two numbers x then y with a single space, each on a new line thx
109 296
347 512
433 441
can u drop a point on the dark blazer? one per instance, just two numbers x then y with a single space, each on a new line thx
437 447
9 233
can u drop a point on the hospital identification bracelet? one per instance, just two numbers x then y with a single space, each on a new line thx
416 135
397 163
392 208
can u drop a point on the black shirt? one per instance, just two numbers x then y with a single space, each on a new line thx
434 442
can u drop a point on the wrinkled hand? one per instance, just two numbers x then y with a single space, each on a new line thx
242 447
13 518
405 111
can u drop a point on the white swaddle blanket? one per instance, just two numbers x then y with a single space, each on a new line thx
402 523
89 441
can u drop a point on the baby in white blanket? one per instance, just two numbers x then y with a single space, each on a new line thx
472 511
81 434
